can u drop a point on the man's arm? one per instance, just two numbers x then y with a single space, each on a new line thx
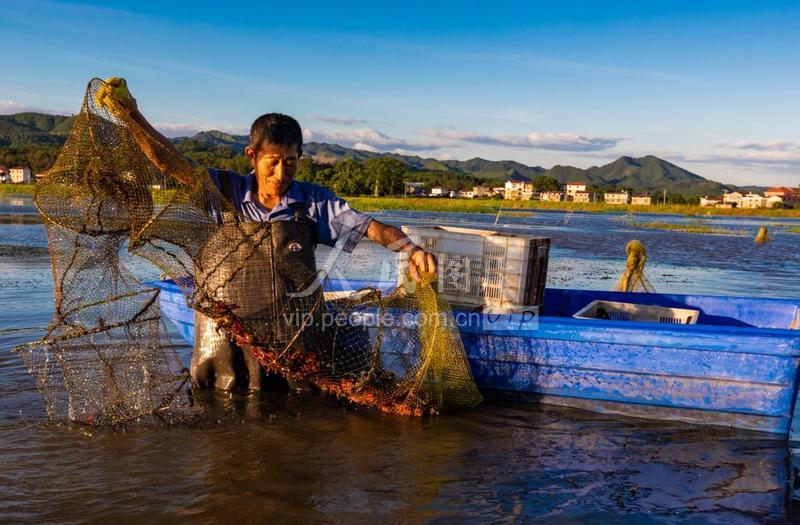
419 261
162 152
154 145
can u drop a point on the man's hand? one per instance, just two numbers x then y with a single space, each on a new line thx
115 96
421 265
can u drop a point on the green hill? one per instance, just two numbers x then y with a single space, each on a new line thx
34 128
640 174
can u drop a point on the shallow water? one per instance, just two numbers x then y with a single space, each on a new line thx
289 458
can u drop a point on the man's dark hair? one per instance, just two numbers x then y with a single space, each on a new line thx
276 128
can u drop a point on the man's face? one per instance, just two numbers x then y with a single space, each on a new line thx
275 166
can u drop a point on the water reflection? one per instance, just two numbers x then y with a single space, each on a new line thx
289 458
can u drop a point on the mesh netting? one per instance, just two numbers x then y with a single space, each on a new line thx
107 357
632 278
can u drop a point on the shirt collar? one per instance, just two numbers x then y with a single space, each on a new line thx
292 194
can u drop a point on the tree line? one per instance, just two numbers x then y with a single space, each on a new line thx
378 176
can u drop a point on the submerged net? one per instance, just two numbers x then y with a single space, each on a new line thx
633 279
107 357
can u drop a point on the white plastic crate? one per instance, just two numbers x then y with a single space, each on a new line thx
617 311
498 272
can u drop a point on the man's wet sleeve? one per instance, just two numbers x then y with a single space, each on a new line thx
338 224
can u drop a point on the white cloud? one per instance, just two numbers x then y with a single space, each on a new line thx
367 137
343 121
9 107
365 147
176 129
536 140
773 146
775 155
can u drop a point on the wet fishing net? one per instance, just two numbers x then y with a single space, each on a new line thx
633 278
107 357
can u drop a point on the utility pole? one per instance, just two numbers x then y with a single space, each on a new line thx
665 197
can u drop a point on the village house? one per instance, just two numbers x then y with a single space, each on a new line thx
752 200
552 196
481 191
466 194
616 197
641 199
773 202
414 188
438 191
20 175
789 196
499 190
518 188
517 183
572 188
734 198
582 196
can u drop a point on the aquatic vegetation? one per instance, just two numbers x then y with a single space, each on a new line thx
434 204
685 228
17 189
762 236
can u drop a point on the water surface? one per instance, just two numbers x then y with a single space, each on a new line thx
289 458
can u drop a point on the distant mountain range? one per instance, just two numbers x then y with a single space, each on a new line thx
644 174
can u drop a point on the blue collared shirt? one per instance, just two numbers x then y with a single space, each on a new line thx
338 225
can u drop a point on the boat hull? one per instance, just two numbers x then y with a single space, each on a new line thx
738 367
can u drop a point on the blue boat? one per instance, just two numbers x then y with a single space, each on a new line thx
736 367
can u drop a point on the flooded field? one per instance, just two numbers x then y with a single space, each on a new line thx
302 458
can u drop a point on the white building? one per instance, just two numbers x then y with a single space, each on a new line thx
616 197
709 201
517 184
521 191
582 196
753 200
466 194
641 199
574 187
734 198
552 196
20 175
438 191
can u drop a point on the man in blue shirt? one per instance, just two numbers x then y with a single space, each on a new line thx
270 193
267 193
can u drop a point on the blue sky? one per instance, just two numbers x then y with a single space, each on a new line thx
712 86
